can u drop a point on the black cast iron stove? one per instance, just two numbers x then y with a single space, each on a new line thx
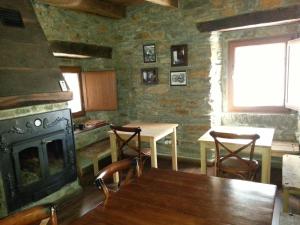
37 156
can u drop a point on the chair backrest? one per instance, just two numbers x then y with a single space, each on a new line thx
220 142
35 215
125 142
130 165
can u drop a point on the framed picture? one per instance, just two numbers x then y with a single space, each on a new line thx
149 53
178 78
149 76
179 55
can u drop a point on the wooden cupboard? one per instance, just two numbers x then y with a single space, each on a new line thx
99 90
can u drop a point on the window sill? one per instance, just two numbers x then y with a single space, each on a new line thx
288 112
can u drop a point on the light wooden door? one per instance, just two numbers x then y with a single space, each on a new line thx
100 90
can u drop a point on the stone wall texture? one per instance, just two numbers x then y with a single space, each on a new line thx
194 107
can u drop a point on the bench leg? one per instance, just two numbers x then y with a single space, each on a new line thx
96 166
80 172
285 199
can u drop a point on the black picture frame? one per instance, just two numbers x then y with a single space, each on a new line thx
179 55
149 76
178 78
149 53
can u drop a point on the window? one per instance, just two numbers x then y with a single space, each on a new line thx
257 79
293 78
72 76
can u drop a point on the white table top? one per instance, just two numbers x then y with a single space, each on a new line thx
154 130
265 140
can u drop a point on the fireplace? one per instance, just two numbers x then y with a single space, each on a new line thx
37 156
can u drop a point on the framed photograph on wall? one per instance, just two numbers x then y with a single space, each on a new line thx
179 55
149 53
149 75
178 78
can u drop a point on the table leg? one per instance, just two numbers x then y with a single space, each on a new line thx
203 158
285 199
114 154
174 150
153 153
266 165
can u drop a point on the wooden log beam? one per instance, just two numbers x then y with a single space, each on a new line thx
80 49
255 19
23 100
169 3
97 7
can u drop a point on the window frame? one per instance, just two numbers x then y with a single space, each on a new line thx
75 69
230 68
288 103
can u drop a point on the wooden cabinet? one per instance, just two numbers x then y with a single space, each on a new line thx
100 90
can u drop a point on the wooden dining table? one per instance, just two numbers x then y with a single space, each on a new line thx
167 197
262 146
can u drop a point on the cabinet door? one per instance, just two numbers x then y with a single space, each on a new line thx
100 91
293 75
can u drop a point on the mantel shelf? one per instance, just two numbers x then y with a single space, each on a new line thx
39 98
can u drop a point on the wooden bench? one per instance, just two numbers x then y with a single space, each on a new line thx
91 155
280 148
290 178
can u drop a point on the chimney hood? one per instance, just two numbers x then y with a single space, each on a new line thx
29 73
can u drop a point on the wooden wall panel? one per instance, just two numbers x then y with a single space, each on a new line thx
100 90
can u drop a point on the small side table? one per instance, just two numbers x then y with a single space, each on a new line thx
290 178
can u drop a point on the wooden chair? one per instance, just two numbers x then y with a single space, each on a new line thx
42 214
119 166
231 164
125 145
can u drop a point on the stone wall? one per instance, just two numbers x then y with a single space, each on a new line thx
199 104
186 105
30 110
195 106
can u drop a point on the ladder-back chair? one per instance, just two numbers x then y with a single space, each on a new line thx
131 166
231 164
42 214
125 145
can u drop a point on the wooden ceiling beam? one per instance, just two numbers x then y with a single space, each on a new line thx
97 7
77 50
169 3
110 8
250 20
